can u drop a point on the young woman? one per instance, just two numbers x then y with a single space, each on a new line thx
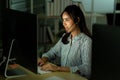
74 47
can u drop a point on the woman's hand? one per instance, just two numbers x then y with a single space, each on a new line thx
42 61
49 67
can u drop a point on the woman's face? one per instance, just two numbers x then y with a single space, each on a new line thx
68 23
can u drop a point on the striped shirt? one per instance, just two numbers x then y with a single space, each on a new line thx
76 54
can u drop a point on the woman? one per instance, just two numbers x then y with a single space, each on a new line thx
74 48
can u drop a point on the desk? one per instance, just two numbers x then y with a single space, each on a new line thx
47 76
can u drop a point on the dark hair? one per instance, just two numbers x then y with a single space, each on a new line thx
74 12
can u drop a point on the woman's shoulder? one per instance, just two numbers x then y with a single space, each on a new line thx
84 37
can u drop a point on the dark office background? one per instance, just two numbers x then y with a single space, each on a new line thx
2 6
109 18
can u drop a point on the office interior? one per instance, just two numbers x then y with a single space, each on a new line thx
50 29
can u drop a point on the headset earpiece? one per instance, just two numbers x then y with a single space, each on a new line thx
76 23
76 20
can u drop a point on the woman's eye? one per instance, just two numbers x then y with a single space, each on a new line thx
64 20
67 19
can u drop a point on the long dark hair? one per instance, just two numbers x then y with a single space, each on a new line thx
75 12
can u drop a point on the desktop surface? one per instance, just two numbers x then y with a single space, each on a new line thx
47 76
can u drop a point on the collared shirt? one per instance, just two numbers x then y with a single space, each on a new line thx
76 54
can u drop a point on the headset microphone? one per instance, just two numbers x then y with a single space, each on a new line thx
72 25
64 39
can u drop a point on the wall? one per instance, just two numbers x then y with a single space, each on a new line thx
118 1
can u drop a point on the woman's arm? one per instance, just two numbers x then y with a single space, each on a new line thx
54 51
53 67
42 61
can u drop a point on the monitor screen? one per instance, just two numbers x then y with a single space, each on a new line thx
106 52
21 29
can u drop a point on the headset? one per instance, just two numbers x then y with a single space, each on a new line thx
65 37
76 20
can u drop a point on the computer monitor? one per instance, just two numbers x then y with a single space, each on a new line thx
106 52
20 38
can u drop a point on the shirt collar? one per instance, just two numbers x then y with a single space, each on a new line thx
78 37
